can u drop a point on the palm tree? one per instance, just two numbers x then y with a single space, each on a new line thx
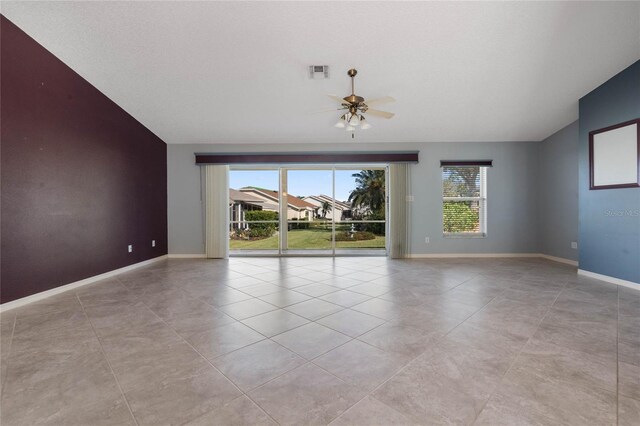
326 208
369 192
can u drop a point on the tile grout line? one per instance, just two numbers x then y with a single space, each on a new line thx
253 316
115 377
319 297
216 409
515 359
309 321
367 392
372 391
436 342
278 308
311 360
211 364
306 361
359 335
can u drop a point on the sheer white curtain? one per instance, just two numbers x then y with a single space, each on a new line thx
216 178
400 210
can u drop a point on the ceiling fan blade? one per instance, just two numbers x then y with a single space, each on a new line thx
319 111
383 100
379 113
338 99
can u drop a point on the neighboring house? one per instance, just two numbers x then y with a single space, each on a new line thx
296 207
341 211
241 202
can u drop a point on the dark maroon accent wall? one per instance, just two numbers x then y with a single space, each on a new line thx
81 178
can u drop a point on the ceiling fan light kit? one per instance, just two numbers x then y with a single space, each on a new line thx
356 106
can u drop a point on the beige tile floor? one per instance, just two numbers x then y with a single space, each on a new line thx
345 341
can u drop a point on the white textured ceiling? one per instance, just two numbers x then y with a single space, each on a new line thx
236 72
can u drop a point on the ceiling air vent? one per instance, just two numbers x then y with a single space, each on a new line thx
319 72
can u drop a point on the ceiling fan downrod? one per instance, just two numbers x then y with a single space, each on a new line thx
352 73
353 99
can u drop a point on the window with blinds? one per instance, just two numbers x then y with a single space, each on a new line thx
464 199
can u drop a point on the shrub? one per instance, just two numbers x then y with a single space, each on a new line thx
261 230
356 236
376 228
301 224
459 217
321 223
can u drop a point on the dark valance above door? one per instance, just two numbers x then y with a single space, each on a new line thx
466 163
308 157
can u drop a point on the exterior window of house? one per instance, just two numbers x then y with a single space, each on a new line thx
464 200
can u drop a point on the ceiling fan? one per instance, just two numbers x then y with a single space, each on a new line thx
356 106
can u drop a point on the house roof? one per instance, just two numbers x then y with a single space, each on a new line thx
239 196
338 202
322 198
291 199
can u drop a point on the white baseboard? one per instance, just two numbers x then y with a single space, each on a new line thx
469 255
559 259
607 278
490 255
63 288
48 293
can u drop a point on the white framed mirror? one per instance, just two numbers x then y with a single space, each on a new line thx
614 156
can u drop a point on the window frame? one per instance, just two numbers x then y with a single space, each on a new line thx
481 199
283 222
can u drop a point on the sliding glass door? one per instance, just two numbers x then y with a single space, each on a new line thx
254 209
365 228
308 210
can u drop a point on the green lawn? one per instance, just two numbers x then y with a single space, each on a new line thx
317 238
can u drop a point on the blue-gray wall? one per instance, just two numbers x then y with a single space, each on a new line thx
609 219
512 197
558 193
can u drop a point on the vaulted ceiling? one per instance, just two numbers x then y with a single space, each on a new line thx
237 72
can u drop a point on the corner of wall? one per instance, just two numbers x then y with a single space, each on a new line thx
557 187
609 244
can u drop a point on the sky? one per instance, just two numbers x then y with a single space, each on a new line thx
301 182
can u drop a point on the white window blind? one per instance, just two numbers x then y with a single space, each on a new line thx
217 211
400 186
464 200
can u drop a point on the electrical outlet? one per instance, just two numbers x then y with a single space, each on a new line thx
130 248
426 240
574 245
153 243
